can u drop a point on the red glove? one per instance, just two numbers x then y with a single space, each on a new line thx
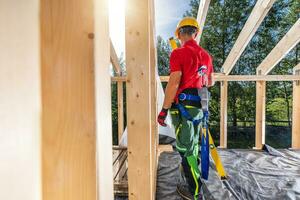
162 117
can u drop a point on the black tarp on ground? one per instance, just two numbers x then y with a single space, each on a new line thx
251 175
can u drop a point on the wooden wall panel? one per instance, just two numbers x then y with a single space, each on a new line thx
68 100
20 104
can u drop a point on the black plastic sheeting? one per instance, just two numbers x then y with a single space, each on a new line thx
270 174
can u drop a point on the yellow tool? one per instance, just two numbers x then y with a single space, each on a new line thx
173 43
213 150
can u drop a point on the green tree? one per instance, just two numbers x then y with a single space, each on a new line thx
163 56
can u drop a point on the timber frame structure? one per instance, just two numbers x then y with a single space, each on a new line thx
136 79
55 80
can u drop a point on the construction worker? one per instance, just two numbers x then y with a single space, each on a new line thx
190 70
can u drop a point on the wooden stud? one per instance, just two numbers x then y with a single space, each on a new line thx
201 17
256 17
139 107
68 96
103 101
120 110
223 115
154 82
114 59
287 43
296 111
260 114
20 101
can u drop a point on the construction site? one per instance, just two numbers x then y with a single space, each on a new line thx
58 67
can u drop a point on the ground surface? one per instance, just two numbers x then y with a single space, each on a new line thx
251 175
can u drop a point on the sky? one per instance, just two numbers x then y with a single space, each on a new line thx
167 15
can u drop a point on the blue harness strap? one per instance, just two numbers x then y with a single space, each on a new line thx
187 115
205 149
189 97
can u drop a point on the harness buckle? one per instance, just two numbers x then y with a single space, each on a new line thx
182 96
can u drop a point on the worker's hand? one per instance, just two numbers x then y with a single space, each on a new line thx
162 117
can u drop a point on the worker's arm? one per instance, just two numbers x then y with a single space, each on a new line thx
172 88
170 93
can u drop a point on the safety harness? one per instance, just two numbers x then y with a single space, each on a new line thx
205 136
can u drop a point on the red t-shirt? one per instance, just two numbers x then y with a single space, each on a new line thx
188 59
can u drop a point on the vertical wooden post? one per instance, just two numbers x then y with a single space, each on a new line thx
139 100
223 123
103 101
120 110
296 113
260 114
20 101
154 80
68 100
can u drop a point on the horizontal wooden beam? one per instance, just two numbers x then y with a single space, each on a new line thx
218 77
124 78
222 77
288 42
201 16
257 15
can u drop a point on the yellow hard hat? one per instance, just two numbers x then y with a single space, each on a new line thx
187 21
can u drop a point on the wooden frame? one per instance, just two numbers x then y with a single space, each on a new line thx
296 111
154 106
217 77
287 43
141 30
260 114
221 77
141 136
201 17
114 59
120 110
223 114
257 15
275 56
68 101
104 53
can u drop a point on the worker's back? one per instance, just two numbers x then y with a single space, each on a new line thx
188 59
